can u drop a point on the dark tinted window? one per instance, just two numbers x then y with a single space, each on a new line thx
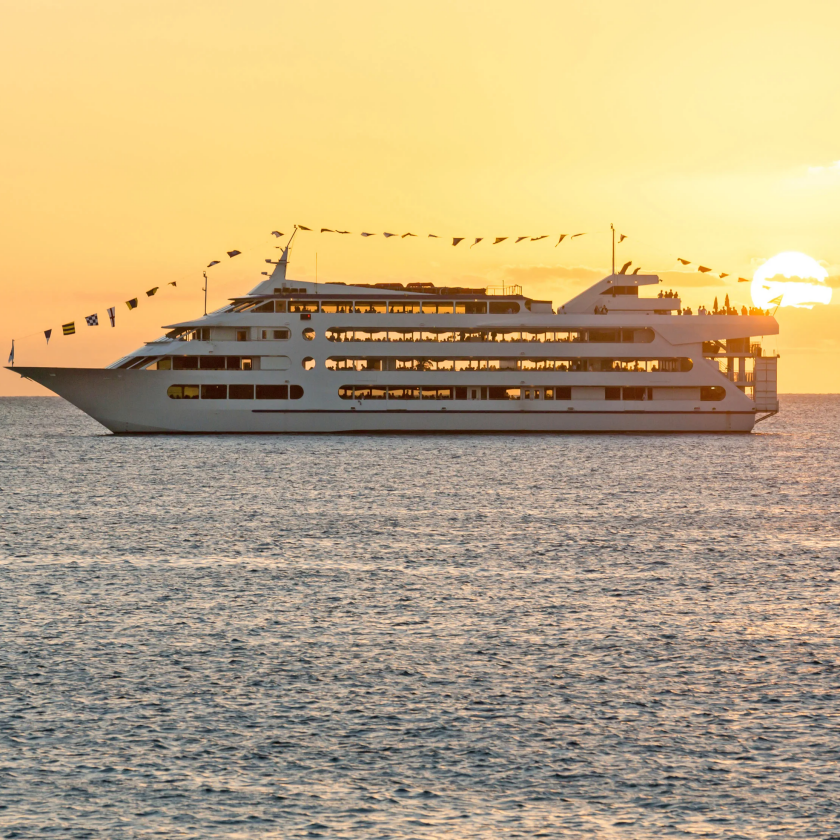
612 393
212 362
185 363
272 392
214 392
241 392
712 393
563 393
504 307
296 392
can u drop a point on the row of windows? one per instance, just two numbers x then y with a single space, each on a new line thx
381 307
372 392
473 365
234 392
210 334
602 336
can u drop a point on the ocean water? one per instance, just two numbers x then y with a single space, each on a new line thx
623 636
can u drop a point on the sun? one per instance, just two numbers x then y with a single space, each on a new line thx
790 279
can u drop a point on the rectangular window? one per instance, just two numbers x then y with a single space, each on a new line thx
272 392
247 364
612 393
185 363
214 392
370 307
233 363
605 335
338 307
433 393
403 393
562 393
164 364
470 308
303 306
190 392
268 306
460 393
439 307
241 392
504 307
242 335
212 362
404 307
634 393
279 305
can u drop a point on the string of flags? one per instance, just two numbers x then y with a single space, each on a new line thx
704 269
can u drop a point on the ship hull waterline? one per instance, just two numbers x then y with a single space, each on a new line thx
132 402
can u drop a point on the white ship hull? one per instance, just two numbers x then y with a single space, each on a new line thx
133 402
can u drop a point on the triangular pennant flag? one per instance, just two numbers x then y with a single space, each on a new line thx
47 334
112 314
433 236
723 274
302 227
456 240
152 292
389 235
776 299
683 262
537 238
477 240
562 237
69 329
368 234
408 234
92 320
173 283
743 280
621 238
233 254
576 235
210 265
342 231
625 267
702 269
276 233
500 239
12 354
519 239
327 230
132 304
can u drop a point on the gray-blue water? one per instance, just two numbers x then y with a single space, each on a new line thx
419 637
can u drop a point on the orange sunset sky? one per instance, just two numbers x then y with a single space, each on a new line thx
143 139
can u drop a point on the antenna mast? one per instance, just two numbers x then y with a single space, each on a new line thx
612 228
205 292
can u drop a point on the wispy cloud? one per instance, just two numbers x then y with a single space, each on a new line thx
541 273
830 169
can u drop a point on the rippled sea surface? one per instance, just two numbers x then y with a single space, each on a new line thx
619 636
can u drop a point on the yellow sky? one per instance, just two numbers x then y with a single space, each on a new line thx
140 140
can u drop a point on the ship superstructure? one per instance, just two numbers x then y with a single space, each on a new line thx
294 356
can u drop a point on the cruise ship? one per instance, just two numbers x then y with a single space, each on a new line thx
302 357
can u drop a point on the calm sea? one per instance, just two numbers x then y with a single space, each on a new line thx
419 637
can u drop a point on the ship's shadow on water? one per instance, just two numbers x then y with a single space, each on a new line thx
419 636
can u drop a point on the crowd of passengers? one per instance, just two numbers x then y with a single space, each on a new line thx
490 335
588 365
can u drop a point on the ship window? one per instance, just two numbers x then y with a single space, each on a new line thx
212 362
612 393
303 306
185 363
712 393
403 393
463 307
295 392
308 363
434 393
370 307
366 392
346 392
242 335
175 392
214 392
504 307
604 335
275 335
438 307
309 333
241 392
279 305
164 364
563 393
190 392
496 393
460 393
634 393
233 363
336 306
404 307
268 306
272 392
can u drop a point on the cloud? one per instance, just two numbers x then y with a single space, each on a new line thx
833 280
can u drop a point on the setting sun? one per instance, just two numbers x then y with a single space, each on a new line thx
790 279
